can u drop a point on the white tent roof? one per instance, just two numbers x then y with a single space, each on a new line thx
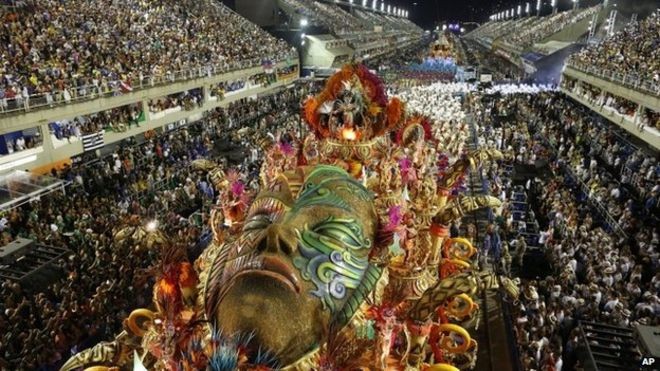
19 187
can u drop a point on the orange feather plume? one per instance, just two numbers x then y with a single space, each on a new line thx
187 275
394 111
311 107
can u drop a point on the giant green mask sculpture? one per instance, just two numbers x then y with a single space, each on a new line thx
301 264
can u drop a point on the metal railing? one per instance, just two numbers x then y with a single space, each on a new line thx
633 81
118 87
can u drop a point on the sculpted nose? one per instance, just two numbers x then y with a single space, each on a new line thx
278 239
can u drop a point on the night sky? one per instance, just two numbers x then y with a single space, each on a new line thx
428 13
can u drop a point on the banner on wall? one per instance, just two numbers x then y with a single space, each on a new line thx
92 141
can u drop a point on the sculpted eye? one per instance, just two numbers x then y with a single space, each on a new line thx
263 213
256 222
345 231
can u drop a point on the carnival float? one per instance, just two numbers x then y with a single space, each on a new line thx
440 64
342 261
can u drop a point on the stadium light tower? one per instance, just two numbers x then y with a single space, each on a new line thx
538 8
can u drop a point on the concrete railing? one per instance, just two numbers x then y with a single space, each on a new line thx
24 119
633 81
117 87
648 135
51 153
612 84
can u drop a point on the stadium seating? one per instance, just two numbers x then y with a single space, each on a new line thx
630 56
62 53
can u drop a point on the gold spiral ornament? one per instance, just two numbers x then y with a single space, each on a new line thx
460 306
458 248
447 341
442 367
139 320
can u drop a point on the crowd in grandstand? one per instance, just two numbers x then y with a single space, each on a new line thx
632 52
331 16
642 117
22 142
123 118
62 52
117 119
537 31
343 22
603 266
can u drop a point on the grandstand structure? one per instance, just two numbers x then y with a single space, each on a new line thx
604 76
331 33
618 78
523 41
261 46
216 67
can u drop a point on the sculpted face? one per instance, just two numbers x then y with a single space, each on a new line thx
295 269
